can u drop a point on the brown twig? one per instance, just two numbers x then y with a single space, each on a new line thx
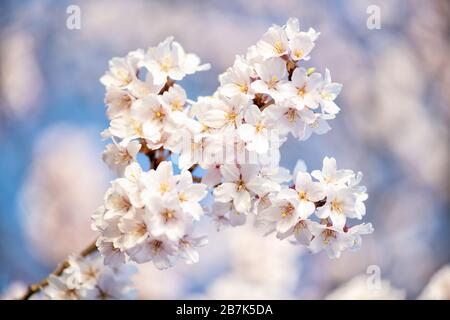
197 179
34 288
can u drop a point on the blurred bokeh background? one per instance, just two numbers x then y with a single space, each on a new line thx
394 127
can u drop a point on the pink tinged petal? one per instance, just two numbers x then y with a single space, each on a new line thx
321 126
287 89
225 192
215 118
242 201
323 212
191 255
278 67
230 173
247 132
261 71
174 230
316 245
305 209
360 209
237 219
333 250
299 77
161 262
302 180
316 192
212 177
317 174
271 214
141 253
249 172
303 235
260 144
258 186
338 220
230 89
260 86
330 107
287 194
253 115
307 115
364 228
286 223
195 192
151 131
299 128
329 166
193 208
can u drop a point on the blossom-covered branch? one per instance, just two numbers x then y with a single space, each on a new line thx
36 288
232 140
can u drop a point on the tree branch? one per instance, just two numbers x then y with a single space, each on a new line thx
37 287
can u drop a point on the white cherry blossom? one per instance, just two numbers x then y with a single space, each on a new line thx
169 60
272 75
119 155
256 130
274 43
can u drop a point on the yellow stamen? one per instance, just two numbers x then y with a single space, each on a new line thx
168 214
156 246
291 115
240 185
302 195
272 82
337 206
301 91
182 197
159 114
298 54
164 187
231 116
259 127
278 46
177 105
243 88
328 235
287 210
165 64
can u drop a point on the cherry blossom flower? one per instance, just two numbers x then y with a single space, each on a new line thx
256 130
330 175
273 75
119 155
169 60
240 185
300 46
306 193
236 80
274 43
340 204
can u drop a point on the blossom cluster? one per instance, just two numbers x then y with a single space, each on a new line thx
87 278
333 198
234 136
149 216
266 95
144 105
263 97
